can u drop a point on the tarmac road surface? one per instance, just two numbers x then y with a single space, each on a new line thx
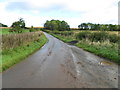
59 65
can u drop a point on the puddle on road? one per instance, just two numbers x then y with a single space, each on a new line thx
79 63
105 63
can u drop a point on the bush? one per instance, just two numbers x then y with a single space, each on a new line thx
114 38
32 29
98 36
83 35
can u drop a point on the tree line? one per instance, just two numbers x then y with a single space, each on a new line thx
58 25
103 27
3 25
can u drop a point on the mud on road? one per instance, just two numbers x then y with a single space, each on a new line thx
58 65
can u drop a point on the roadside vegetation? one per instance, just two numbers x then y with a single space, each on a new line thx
100 39
18 42
16 47
101 43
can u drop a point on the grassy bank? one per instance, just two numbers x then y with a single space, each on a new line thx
104 44
15 54
104 49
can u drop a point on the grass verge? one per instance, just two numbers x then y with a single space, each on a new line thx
107 50
15 55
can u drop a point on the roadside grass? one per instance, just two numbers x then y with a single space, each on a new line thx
17 54
106 48
63 38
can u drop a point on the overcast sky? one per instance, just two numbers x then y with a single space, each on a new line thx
75 12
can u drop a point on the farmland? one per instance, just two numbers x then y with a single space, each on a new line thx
6 31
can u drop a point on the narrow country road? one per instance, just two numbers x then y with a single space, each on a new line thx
58 65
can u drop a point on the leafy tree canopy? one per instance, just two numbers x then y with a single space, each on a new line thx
104 27
20 23
3 25
18 26
56 25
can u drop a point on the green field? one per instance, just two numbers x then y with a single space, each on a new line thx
6 31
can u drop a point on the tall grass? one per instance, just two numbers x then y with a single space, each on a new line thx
10 41
15 47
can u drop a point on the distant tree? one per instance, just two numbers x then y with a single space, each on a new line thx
3 25
83 26
20 23
56 25
32 29
102 27
18 26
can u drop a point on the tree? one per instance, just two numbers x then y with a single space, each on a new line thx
32 29
20 23
103 27
56 25
3 25
18 26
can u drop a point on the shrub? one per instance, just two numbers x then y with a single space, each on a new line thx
98 36
32 29
83 35
114 38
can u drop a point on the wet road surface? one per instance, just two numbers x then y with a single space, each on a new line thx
58 65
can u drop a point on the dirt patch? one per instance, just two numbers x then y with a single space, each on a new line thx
105 63
72 75
68 72
79 63
49 53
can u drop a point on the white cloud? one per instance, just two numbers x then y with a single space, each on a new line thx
95 11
